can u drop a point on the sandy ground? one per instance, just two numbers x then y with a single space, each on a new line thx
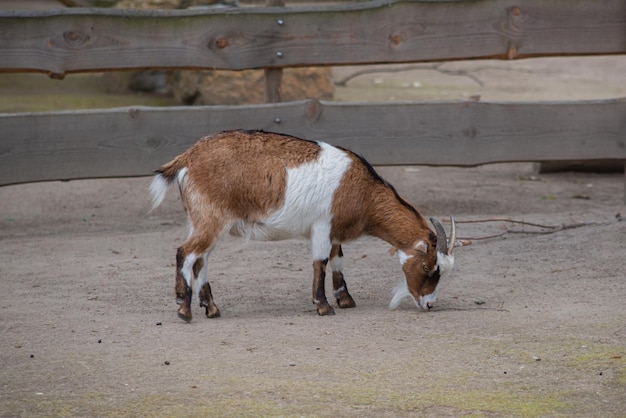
526 325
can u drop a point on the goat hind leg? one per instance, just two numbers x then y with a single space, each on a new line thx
206 224
185 266
204 289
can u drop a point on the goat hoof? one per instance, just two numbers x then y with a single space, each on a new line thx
346 301
325 309
184 317
184 314
212 312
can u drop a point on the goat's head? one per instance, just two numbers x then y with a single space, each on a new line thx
424 264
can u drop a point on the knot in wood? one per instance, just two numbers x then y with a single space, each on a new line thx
470 132
75 39
221 43
395 39
153 142
513 22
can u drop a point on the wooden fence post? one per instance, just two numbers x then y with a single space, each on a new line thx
273 76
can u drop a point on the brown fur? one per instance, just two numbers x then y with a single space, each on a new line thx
235 193
365 204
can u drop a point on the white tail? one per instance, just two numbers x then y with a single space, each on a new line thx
158 190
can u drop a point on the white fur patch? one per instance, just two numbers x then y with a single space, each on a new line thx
336 263
203 275
445 263
398 293
308 200
320 239
403 257
401 290
187 268
181 176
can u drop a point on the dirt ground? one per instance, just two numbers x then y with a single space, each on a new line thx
525 325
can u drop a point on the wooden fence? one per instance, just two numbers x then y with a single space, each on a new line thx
134 141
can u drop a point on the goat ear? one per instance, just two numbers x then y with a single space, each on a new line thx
392 251
421 247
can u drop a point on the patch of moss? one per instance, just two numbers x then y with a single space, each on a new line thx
600 358
420 387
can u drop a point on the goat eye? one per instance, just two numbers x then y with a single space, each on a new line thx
425 267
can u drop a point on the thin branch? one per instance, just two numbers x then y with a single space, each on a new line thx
515 221
548 229
498 309
439 68
476 309
431 67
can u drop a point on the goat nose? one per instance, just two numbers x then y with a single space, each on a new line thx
429 305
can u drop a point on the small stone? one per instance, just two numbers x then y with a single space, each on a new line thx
159 323
99 341
167 363
292 364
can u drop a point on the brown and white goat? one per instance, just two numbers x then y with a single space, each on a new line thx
267 186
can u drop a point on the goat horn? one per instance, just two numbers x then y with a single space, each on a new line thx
452 235
442 241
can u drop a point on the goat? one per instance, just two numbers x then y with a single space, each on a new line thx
268 186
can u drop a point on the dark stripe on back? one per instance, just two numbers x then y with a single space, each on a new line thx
261 131
381 180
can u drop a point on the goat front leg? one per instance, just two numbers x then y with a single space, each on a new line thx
344 300
319 293
206 300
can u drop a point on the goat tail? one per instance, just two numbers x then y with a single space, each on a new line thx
163 179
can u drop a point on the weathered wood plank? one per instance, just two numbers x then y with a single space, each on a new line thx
389 31
135 141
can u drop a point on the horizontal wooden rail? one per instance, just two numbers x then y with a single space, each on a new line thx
135 141
389 31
